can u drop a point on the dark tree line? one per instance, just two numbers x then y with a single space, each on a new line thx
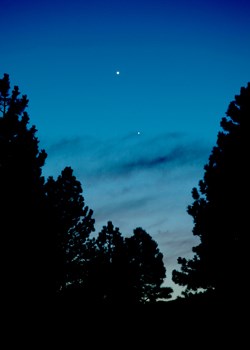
47 248
220 265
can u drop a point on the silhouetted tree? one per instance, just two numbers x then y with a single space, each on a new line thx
71 223
43 226
106 266
146 268
21 196
219 211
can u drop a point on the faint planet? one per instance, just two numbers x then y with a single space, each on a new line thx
138 133
117 72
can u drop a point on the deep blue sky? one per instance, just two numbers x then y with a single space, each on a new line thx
180 62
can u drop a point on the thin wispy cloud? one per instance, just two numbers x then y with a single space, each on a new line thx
124 207
149 159
65 146
121 156
180 155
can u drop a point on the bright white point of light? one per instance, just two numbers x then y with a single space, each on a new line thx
138 133
117 72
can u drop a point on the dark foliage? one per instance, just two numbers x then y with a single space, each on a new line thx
220 263
146 268
121 271
71 223
23 238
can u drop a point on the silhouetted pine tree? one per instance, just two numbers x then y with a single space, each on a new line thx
219 211
146 268
106 266
71 223
43 226
21 197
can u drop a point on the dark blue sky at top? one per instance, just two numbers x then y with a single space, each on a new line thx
180 62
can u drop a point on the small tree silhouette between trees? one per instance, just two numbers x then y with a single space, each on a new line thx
146 268
220 263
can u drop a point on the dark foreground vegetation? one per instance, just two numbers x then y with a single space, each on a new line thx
50 253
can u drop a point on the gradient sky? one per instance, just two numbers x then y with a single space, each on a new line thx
137 141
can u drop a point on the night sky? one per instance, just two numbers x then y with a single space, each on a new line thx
138 140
